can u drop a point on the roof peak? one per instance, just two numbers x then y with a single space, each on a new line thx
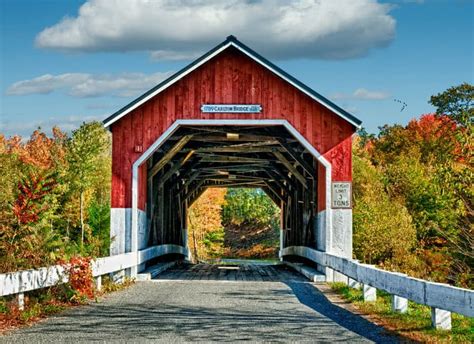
231 40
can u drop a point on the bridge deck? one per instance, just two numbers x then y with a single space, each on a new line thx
231 272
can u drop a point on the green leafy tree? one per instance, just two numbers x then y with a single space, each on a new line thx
87 148
458 173
250 205
457 102
383 229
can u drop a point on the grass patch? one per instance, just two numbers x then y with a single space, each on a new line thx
415 324
108 285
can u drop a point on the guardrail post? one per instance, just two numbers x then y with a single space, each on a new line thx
329 274
399 304
338 277
20 299
98 283
440 319
118 276
370 293
353 283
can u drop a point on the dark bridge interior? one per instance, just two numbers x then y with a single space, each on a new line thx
195 158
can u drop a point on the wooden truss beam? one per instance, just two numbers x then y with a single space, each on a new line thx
294 154
291 168
275 178
169 155
244 184
272 196
175 168
275 191
232 159
241 138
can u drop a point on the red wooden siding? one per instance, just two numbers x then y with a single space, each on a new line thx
230 77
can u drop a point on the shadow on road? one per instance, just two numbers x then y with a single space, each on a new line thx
314 299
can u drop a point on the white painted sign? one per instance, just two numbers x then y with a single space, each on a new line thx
341 195
231 108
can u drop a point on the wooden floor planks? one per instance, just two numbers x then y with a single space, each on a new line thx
241 272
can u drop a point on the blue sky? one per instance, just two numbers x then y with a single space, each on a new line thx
361 54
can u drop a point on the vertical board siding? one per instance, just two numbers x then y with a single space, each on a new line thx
230 77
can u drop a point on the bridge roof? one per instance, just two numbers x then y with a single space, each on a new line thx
232 41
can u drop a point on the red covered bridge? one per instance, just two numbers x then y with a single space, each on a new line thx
231 118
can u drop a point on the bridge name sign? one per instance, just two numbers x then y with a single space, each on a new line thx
341 195
231 108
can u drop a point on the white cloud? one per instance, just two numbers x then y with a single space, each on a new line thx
181 29
362 94
89 85
173 55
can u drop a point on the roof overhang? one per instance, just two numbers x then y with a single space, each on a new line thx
231 41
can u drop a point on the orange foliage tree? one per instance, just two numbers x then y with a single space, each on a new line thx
205 231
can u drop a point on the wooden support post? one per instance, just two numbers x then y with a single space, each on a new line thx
191 179
399 304
20 299
353 283
118 277
98 283
197 186
196 195
440 319
370 293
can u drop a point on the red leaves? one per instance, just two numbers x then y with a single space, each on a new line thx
432 126
29 203
80 276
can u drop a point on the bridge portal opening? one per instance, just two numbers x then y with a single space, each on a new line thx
196 158
232 224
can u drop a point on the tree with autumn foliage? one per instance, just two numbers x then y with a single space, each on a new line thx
205 230
39 193
29 201
425 168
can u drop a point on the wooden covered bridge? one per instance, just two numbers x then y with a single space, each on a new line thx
231 118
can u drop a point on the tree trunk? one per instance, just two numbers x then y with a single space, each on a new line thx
195 258
82 218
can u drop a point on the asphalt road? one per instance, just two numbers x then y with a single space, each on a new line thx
171 311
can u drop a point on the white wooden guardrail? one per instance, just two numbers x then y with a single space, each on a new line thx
19 282
442 298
